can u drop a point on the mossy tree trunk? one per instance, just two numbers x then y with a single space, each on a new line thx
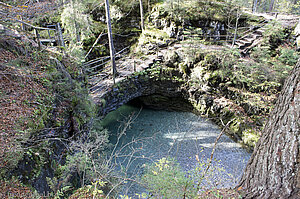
273 170
74 12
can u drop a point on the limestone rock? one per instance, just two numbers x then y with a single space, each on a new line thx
171 58
2 29
297 34
171 30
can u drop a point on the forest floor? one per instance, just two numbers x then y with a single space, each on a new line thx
19 99
20 90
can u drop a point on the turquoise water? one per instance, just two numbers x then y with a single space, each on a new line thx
153 135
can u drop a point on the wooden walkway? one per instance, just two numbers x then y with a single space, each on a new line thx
251 38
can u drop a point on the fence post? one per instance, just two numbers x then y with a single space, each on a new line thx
60 36
38 38
236 27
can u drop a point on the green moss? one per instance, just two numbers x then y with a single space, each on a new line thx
250 137
152 35
198 10
235 126
200 108
183 68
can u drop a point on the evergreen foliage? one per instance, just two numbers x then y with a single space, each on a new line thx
76 22
166 179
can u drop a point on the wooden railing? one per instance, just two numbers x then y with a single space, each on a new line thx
93 65
6 16
58 38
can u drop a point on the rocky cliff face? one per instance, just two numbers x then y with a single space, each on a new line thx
193 74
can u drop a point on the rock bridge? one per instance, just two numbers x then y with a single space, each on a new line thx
143 78
168 92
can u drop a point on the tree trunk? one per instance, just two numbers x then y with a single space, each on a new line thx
236 27
111 44
37 34
60 36
258 6
297 34
149 7
273 170
74 13
272 5
254 8
142 15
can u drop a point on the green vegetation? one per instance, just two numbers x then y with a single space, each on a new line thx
194 10
53 107
87 160
165 179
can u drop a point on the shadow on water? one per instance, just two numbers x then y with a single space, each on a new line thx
153 135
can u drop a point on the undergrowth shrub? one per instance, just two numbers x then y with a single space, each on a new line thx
166 179
274 35
264 73
86 165
288 56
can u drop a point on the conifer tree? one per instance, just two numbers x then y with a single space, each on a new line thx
76 23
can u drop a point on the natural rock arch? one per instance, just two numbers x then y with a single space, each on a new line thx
138 86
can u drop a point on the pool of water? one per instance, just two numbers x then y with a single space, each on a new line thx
152 135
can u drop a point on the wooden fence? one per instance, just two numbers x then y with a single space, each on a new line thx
57 39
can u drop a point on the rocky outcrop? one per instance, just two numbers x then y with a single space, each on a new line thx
176 28
172 83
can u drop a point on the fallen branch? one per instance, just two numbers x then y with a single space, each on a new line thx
215 145
93 45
